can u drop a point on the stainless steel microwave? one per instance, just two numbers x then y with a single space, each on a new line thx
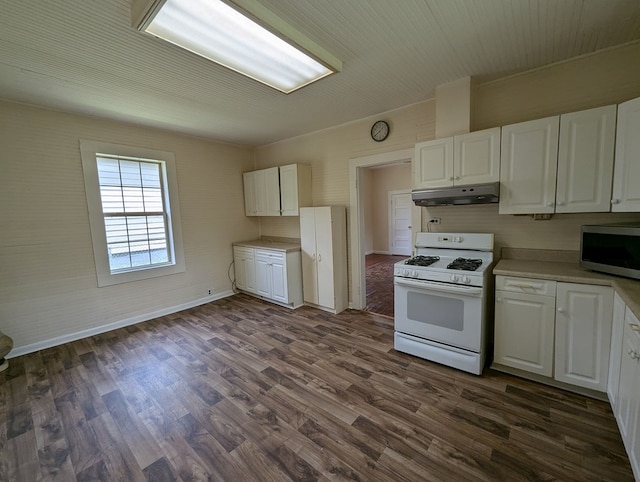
612 248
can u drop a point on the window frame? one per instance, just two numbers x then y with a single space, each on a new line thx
90 150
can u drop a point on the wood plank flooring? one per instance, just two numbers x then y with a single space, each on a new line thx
242 390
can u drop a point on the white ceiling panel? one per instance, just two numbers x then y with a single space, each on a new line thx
83 56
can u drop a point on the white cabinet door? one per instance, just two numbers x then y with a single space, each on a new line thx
615 355
295 188
324 258
626 177
244 262
583 334
308 252
528 166
279 280
476 157
585 160
433 164
263 277
270 186
250 194
524 332
628 409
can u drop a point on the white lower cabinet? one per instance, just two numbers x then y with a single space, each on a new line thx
583 335
627 411
524 328
560 331
272 274
615 354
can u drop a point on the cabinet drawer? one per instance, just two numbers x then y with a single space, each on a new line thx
266 253
526 285
243 251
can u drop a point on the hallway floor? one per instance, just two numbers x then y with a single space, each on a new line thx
379 279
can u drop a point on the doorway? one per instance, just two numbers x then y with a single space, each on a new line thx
358 206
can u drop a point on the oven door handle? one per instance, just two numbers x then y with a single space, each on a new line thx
444 288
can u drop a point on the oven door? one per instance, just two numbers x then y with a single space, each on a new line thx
446 313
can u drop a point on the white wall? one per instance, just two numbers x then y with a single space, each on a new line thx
48 285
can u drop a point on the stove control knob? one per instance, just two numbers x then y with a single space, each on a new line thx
415 273
467 280
407 272
454 278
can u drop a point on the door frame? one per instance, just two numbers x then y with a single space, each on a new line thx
391 218
356 222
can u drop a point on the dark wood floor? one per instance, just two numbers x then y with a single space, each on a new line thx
241 390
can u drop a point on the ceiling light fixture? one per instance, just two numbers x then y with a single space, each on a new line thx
241 35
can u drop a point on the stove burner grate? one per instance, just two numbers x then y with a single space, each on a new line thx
465 264
422 260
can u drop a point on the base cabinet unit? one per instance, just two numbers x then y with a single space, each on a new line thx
244 263
558 331
277 191
271 274
583 335
627 411
524 324
324 257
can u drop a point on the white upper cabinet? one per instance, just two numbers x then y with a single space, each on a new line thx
626 177
262 192
528 166
560 164
434 164
472 158
277 191
585 160
476 157
295 188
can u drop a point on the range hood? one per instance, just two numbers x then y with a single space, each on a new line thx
476 194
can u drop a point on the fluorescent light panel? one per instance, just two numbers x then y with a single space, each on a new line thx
218 32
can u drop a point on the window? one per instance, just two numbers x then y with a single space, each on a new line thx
133 211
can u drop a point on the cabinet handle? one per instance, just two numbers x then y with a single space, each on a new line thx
319 258
550 203
561 310
457 178
560 203
523 287
615 201
451 178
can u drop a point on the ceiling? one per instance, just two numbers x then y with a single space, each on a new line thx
83 56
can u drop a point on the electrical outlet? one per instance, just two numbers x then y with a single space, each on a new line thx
434 221
210 291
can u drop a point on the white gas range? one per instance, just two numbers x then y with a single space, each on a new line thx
441 299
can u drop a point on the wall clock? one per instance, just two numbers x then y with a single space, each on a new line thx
379 131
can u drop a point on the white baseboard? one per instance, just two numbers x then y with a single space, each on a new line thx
375 251
78 335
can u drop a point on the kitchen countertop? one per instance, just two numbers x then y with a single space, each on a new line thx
570 272
277 244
